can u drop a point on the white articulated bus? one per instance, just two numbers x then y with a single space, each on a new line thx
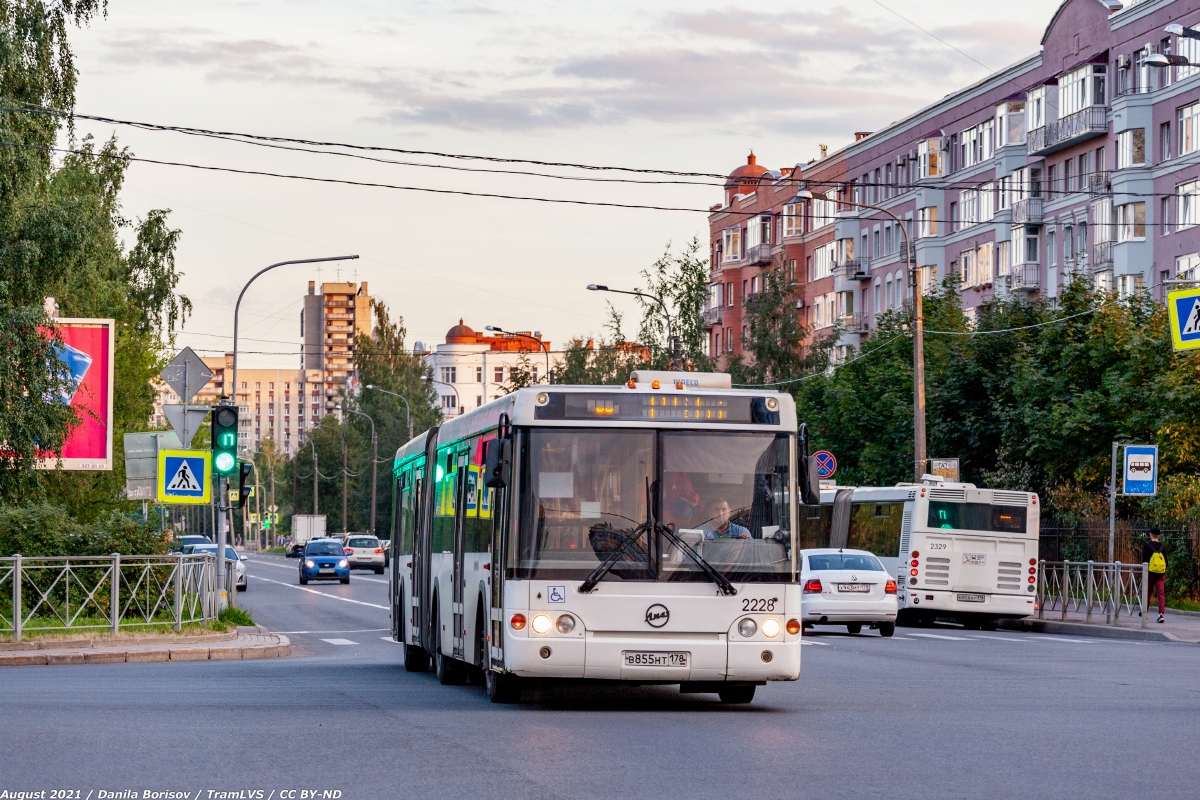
958 552
637 533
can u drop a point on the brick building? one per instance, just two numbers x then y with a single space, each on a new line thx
1082 159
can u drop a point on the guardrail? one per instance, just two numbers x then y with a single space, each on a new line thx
1089 586
105 592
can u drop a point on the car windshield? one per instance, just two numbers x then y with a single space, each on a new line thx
361 542
584 496
230 553
831 561
324 549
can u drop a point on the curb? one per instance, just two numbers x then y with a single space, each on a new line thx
279 646
89 644
1083 629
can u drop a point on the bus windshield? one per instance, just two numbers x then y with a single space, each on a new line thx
588 493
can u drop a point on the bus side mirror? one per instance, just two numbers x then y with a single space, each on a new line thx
496 460
810 482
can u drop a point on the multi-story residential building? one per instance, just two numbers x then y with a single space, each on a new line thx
329 325
472 368
277 404
1082 160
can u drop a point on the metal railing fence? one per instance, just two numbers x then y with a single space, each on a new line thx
1090 587
47 594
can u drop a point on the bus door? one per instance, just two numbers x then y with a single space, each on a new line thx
500 515
419 574
399 610
459 574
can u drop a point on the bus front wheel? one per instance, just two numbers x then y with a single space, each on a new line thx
502 687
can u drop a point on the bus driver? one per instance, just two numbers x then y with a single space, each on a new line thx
719 526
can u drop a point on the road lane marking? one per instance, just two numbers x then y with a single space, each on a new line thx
390 639
339 641
823 644
901 638
1001 638
362 630
939 636
1053 638
321 594
289 566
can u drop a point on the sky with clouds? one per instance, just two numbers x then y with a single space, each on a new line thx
688 86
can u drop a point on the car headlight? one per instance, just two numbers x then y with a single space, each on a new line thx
309 563
343 563
770 628
565 624
541 624
747 627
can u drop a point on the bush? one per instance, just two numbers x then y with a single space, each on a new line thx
232 615
47 530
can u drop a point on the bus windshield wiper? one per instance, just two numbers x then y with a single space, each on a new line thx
600 571
712 572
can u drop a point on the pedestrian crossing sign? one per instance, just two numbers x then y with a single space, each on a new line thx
1183 309
184 476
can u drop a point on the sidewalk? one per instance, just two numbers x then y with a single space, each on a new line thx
1180 626
244 643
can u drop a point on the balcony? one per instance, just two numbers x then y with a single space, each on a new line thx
759 254
1024 277
1027 211
1095 183
1102 256
1072 129
855 323
711 317
854 269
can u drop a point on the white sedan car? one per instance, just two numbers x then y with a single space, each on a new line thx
230 555
365 552
847 587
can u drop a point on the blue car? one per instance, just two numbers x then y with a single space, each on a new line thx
324 560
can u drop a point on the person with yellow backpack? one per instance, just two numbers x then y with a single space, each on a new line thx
1152 555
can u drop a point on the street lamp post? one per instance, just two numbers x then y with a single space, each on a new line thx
541 345
403 399
374 459
308 440
919 455
457 397
671 337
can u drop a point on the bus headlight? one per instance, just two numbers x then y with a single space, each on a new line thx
747 627
541 624
770 628
565 624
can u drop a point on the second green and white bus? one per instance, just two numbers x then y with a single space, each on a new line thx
639 533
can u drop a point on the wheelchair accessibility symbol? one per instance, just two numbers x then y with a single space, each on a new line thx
556 594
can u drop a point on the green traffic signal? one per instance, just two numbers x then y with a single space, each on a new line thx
224 437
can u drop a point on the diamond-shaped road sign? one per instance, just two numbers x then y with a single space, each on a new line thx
186 374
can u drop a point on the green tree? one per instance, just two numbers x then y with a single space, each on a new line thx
680 282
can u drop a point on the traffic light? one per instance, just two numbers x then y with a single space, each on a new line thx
244 486
266 521
224 439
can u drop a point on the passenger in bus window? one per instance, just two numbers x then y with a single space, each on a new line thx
719 525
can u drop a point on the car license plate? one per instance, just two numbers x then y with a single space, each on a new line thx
327 571
970 598
643 658
854 587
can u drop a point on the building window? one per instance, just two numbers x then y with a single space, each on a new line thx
479 374
932 155
1051 249
1189 133
1129 285
793 219
1131 222
985 270
1081 88
1186 266
927 221
1002 258
1036 108
824 261
1131 148
271 385
969 275
449 374
1010 123
1164 141
498 375
732 246
1188 204
449 401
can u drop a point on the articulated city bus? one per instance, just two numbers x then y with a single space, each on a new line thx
637 533
958 553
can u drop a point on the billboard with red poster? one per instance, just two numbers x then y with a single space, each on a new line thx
87 350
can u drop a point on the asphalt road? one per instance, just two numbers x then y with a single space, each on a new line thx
931 713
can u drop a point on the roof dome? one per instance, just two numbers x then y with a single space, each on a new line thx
460 334
750 171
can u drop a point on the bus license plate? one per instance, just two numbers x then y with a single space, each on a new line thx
854 587
643 658
970 598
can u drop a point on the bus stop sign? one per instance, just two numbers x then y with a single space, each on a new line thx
1141 469
826 463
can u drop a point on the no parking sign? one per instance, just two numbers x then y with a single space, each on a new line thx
826 463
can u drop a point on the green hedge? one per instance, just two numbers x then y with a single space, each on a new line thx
47 530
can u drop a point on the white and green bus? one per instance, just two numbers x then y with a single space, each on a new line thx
639 533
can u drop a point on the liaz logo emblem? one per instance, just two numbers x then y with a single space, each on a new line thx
657 615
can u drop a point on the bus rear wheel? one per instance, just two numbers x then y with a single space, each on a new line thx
737 695
502 688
